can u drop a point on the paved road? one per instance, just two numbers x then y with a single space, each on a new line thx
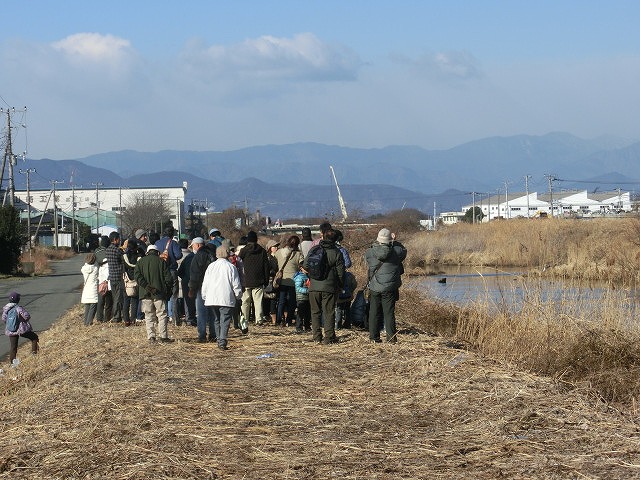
46 298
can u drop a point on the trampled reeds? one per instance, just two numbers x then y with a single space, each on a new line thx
102 402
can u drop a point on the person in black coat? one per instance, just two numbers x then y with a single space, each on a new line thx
256 276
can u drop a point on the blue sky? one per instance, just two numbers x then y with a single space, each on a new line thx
212 75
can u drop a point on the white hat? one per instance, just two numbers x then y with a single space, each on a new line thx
384 236
197 240
152 247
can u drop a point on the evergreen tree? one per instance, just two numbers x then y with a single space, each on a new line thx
10 239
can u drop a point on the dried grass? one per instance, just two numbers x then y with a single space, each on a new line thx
101 402
598 249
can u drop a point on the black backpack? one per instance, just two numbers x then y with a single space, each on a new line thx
316 263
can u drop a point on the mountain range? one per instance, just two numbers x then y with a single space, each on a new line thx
295 180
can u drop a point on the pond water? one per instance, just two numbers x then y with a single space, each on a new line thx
512 288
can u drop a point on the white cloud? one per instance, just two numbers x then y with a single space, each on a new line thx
302 57
94 47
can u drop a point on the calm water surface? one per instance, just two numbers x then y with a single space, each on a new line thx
511 288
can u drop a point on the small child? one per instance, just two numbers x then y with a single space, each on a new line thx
90 289
303 317
24 327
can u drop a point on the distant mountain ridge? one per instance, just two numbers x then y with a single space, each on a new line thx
295 179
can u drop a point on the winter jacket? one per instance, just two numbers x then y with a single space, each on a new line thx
221 284
390 258
184 269
292 266
174 251
335 279
256 265
113 255
301 280
90 288
24 326
153 277
199 264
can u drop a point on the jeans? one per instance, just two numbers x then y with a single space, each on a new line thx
222 321
172 310
385 301
287 296
189 304
204 317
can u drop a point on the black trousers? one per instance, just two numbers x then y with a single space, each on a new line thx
13 343
386 302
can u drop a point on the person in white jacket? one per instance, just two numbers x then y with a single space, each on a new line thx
90 289
221 289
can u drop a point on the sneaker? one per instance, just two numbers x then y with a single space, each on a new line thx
223 347
202 340
167 340
245 331
376 340
329 341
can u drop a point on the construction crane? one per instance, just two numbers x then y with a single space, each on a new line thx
343 207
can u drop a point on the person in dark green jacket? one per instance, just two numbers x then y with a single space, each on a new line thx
384 259
323 294
155 284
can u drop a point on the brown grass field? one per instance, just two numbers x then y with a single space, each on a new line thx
101 402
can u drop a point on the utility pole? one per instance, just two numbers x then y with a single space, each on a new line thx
506 200
55 211
473 208
10 157
550 179
97 185
74 238
434 216
27 172
526 189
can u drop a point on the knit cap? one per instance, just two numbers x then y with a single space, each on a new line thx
384 236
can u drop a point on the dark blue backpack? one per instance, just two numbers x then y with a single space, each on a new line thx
13 319
316 263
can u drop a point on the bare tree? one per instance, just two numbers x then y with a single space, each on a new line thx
149 211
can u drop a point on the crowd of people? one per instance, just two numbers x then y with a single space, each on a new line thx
303 283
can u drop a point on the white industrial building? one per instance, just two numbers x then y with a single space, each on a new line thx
574 203
99 207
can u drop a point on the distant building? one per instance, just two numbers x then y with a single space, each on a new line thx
100 208
573 203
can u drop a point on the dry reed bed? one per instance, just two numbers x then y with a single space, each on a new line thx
101 402
602 249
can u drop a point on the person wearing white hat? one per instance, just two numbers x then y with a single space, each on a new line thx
384 259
